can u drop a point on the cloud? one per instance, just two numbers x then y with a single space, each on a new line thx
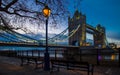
113 35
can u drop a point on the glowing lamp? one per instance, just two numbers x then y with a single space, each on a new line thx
46 11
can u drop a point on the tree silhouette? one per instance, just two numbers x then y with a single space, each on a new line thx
14 14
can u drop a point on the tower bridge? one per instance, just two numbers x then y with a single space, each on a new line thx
79 38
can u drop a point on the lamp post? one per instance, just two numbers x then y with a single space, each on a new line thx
46 12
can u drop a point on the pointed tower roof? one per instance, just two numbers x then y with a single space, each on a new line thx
76 13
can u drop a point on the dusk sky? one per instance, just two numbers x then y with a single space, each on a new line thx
104 12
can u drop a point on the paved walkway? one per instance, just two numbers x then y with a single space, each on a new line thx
11 66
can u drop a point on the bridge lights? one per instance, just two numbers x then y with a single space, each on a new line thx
46 12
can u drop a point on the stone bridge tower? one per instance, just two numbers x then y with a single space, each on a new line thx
79 37
100 37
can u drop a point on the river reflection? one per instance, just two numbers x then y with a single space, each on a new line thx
109 57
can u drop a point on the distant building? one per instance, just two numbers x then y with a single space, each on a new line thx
112 45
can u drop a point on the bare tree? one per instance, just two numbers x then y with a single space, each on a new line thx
15 14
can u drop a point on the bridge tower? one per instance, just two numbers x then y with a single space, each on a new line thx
100 37
78 38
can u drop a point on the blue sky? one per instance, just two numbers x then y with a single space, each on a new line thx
104 12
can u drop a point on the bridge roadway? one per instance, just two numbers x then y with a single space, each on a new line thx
25 44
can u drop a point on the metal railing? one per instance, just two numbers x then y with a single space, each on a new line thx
94 56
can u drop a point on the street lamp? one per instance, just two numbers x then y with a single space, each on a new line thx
46 12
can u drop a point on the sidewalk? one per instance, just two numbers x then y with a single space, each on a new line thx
11 66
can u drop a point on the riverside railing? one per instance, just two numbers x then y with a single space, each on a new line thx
104 56
94 56
55 53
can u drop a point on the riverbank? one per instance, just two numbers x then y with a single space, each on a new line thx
11 66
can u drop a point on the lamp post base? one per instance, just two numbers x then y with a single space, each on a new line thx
46 61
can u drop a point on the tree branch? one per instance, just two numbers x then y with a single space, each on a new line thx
10 4
24 15
38 2
0 3
23 12
6 24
